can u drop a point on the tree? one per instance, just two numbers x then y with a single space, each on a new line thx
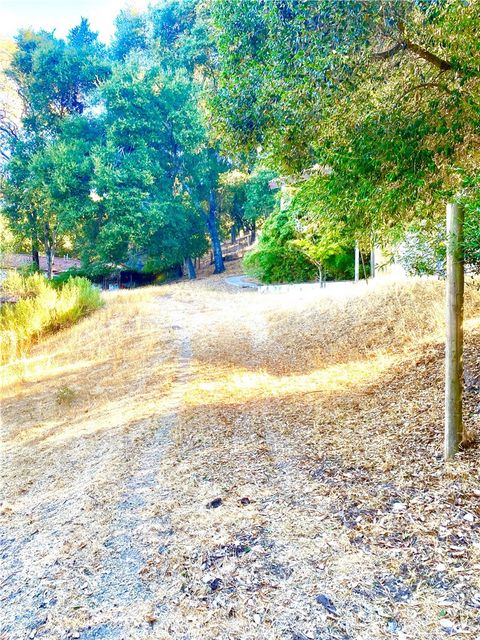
278 258
180 42
131 33
385 93
139 211
361 86
19 201
54 79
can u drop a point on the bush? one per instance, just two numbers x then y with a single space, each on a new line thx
62 278
276 259
41 308
279 258
422 252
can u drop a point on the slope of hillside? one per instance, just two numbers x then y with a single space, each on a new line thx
198 462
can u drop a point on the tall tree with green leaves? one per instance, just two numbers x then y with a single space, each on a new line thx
139 209
385 93
175 37
54 79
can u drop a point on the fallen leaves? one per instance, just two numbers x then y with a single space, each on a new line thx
302 495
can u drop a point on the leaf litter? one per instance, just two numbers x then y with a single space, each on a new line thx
319 442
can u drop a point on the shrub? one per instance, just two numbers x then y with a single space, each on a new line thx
60 279
279 256
276 259
41 308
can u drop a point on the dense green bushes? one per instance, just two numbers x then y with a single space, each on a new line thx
281 257
40 308
277 259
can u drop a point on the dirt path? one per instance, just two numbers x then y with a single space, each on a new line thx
76 540
182 466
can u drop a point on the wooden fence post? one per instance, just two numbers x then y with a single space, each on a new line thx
357 262
454 334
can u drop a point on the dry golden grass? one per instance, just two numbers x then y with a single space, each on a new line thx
324 414
316 421
102 375
298 334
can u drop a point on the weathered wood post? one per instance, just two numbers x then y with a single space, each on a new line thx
372 262
357 262
454 334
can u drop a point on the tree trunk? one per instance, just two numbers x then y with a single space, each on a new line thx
35 253
213 230
372 263
320 275
49 249
190 268
32 218
357 262
454 337
253 232
233 234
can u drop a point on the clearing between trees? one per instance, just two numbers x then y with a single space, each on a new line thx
202 462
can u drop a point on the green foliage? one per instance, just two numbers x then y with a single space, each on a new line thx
246 198
341 266
259 198
472 225
277 259
115 155
47 174
41 308
151 133
62 278
292 250
9 242
386 94
55 76
422 251
131 33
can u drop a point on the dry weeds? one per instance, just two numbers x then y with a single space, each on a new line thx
302 494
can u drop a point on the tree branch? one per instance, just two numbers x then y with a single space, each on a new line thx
389 53
8 129
428 56
424 85
421 52
438 62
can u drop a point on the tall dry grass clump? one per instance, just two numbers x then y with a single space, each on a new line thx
41 308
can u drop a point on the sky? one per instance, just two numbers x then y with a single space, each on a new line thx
62 15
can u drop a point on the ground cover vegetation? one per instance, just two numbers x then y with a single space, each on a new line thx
32 306
241 465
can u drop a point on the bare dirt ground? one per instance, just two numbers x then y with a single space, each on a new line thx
199 462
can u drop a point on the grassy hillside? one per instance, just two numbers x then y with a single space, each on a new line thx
244 465
33 306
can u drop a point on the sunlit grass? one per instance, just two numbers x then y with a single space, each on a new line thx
118 365
41 308
231 385
213 392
